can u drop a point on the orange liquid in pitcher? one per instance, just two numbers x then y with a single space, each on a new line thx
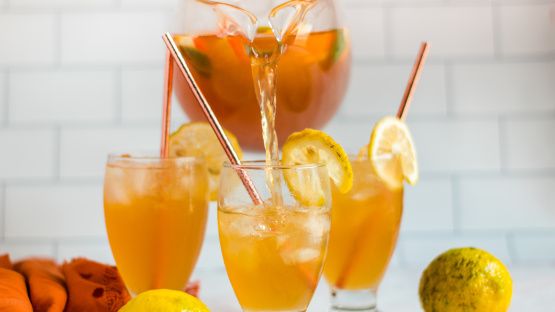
364 229
155 219
312 78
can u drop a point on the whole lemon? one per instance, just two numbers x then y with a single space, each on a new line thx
466 280
164 300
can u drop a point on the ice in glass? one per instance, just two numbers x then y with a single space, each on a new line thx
155 212
273 254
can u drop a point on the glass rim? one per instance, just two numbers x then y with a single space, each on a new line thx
261 165
145 157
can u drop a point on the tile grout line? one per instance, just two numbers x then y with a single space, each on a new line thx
118 96
496 30
455 202
448 78
55 249
57 153
511 247
400 249
58 39
6 98
386 32
501 128
3 210
7 85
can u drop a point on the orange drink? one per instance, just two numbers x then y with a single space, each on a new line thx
273 254
312 75
272 257
155 212
364 230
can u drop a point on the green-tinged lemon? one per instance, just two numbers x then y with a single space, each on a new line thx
164 300
466 280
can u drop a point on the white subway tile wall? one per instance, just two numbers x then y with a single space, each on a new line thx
55 4
27 39
448 29
141 91
503 87
113 38
21 159
62 96
368 96
506 203
67 210
527 29
79 79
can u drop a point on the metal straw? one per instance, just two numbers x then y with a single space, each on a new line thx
166 106
176 55
413 80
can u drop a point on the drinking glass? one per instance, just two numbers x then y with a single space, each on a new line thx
364 229
273 252
155 211
221 41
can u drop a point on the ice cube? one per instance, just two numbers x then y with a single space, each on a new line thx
250 226
317 226
115 190
300 255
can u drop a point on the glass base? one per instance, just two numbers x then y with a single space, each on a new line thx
353 300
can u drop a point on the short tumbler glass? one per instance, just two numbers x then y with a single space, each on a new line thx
274 252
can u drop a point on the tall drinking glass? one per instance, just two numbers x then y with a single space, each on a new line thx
155 211
274 252
364 230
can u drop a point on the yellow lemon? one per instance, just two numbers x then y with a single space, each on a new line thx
164 300
314 146
197 139
392 152
466 280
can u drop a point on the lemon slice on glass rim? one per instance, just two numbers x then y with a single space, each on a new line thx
392 153
197 139
311 146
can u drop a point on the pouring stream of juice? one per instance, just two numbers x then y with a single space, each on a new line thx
266 45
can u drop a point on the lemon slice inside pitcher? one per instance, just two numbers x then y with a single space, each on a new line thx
313 146
197 139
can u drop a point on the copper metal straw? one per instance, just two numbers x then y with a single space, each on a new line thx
166 106
413 80
207 110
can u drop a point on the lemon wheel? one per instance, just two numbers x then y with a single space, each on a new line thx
197 139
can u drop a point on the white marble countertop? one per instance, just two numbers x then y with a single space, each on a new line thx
533 291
